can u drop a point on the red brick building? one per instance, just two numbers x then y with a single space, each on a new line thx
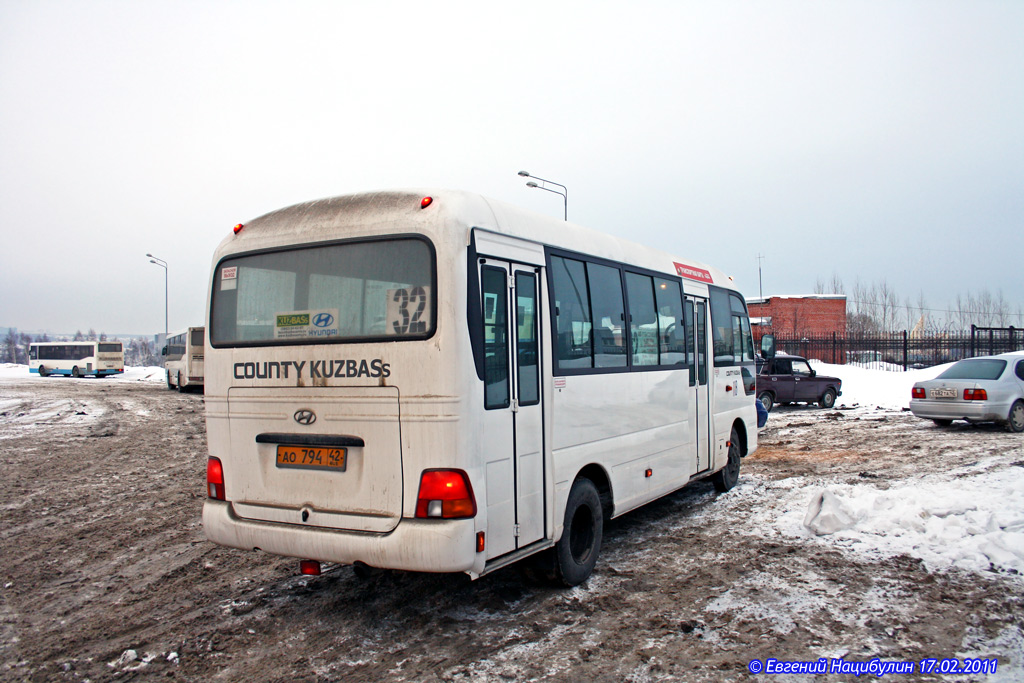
810 315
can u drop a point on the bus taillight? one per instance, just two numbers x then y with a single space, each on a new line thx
215 478
445 494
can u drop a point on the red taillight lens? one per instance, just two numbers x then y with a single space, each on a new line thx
238 228
445 494
917 392
309 567
215 478
975 395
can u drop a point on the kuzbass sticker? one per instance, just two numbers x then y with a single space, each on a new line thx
305 324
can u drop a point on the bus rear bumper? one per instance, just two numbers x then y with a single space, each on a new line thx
422 545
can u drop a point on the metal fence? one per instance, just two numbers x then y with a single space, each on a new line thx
902 351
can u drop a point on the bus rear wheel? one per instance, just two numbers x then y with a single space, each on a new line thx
75 372
576 553
181 387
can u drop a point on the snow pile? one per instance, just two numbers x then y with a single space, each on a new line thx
875 388
972 521
131 374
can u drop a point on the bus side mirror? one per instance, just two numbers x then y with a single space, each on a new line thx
768 346
163 351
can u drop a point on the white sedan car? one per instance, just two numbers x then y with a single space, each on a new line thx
988 389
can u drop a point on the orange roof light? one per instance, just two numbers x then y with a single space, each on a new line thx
238 228
426 201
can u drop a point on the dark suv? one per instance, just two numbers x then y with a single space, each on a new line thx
790 379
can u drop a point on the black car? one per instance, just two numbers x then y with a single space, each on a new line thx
790 379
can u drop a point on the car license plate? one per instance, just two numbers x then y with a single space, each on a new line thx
312 457
943 393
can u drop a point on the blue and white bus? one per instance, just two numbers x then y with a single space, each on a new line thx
99 358
441 382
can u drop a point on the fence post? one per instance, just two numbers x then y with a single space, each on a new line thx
834 348
904 350
973 330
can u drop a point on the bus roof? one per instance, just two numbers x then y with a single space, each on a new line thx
399 211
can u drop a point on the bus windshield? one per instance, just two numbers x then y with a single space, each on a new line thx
349 291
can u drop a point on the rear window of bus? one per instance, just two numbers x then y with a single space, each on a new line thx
338 292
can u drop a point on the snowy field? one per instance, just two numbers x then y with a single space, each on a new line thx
131 374
853 533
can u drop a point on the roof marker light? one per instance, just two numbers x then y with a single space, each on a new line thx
426 201
238 228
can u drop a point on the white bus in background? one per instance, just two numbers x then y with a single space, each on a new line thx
183 359
99 358
447 383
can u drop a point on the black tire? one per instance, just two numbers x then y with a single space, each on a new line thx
725 478
1015 420
169 385
42 371
828 399
942 423
576 552
75 372
766 399
181 389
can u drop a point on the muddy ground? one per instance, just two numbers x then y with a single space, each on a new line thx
106 574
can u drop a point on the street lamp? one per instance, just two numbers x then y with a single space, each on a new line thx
162 264
564 193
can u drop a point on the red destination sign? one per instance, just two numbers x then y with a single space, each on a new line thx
693 273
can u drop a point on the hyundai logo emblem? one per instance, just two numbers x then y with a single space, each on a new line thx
323 320
304 417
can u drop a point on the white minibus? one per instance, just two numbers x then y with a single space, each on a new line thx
76 358
440 382
183 359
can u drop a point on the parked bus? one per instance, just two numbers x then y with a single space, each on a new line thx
99 358
447 383
183 359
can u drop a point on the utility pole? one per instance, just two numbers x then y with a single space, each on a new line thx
760 290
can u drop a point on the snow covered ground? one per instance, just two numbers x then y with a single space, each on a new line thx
131 374
969 517
691 587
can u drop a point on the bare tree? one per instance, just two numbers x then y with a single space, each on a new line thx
836 284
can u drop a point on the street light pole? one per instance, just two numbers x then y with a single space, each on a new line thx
564 193
162 264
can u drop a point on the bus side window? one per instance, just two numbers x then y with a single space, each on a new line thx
494 286
572 314
672 323
608 315
643 319
690 360
527 363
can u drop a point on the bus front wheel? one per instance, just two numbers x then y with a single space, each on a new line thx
576 553
42 371
725 478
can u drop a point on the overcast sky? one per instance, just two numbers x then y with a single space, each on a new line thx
868 139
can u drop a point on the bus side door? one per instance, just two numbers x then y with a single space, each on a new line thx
700 410
514 415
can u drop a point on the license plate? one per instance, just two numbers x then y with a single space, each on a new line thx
312 457
943 393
